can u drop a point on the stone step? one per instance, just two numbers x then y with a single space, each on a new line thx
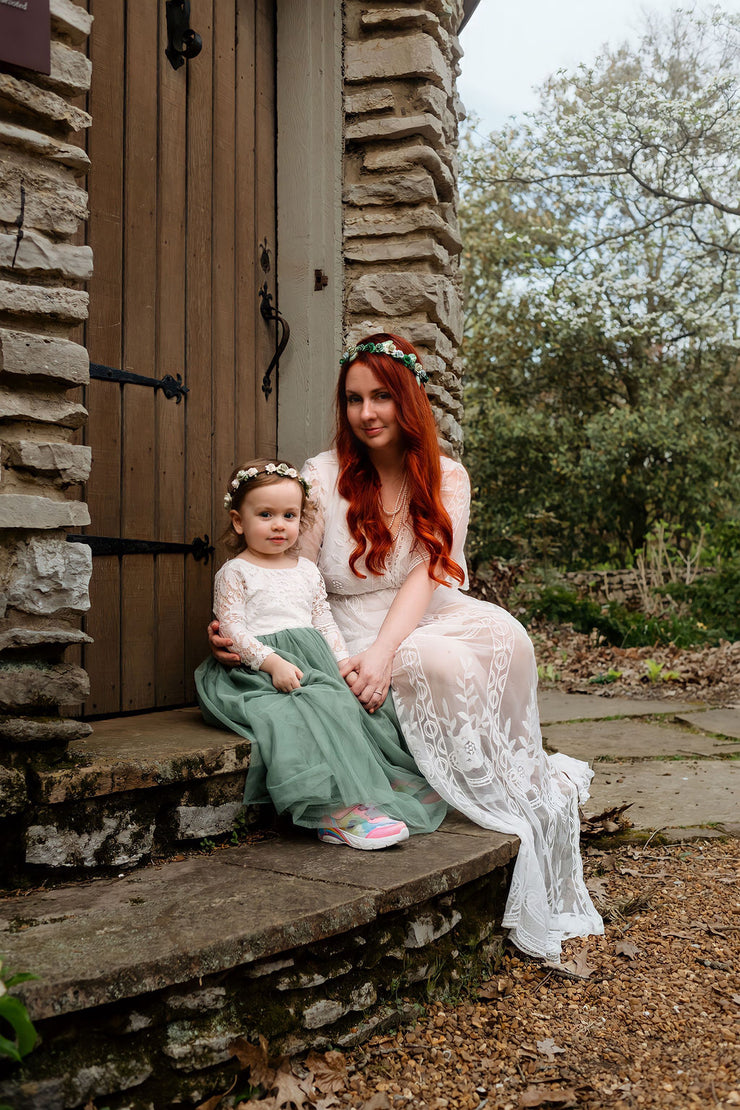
135 788
143 981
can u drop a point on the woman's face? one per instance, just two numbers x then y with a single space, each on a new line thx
371 411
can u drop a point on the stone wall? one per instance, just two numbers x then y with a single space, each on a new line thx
401 240
170 1047
43 579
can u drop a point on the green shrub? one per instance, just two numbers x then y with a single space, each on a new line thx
17 1033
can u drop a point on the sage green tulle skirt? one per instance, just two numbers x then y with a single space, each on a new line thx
315 749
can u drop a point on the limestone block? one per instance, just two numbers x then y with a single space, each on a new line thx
416 187
12 637
438 395
54 302
428 928
369 100
404 293
42 685
43 356
43 730
406 156
13 796
118 841
26 510
402 222
415 55
70 20
35 254
197 1001
70 70
52 203
195 1053
450 429
385 128
71 461
43 103
51 575
399 18
196 822
36 142
433 99
324 1012
409 248
41 408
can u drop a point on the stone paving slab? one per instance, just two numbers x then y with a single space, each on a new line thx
556 706
135 753
723 722
667 794
420 868
97 942
630 738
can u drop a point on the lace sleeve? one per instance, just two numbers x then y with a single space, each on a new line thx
309 542
230 601
456 499
323 621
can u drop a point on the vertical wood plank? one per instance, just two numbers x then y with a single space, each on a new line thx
170 359
226 449
104 340
198 509
138 472
246 236
265 224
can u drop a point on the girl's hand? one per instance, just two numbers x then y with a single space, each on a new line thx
368 675
220 647
285 676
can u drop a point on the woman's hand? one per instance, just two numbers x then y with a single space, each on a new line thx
220 647
285 675
368 675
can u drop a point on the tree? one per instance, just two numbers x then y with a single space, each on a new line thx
602 266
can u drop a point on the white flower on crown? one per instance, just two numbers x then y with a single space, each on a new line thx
270 468
252 472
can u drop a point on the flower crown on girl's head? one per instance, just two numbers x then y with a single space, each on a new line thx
280 470
387 348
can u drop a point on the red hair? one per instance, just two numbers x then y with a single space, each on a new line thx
358 479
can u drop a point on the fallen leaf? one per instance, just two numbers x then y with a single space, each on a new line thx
675 933
627 948
329 1070
542 1096
288 1087
255 1058
549 1048
596 887
579 965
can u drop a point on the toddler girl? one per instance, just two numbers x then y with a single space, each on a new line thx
316 752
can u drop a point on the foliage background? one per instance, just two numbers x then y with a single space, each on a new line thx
602 242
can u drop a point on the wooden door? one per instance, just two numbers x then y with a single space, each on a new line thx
182 225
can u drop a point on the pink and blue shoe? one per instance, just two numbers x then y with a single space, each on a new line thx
363 827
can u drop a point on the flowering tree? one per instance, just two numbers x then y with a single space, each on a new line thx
602 262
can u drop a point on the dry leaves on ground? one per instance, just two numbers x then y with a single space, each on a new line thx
578 663
643 1018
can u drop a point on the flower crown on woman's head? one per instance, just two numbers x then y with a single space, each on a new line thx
387 348
280 470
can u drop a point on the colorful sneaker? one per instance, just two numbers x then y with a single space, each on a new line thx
363 827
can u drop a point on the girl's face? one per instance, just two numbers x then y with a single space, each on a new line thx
371 411
269 517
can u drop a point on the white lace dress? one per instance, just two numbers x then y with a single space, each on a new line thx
465 690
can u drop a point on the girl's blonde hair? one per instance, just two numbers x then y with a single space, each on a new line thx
231 539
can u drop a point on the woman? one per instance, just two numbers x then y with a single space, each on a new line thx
388 539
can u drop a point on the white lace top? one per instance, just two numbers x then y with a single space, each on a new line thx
251 601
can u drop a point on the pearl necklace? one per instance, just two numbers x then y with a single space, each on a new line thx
399 505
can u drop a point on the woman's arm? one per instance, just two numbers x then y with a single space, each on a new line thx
374 665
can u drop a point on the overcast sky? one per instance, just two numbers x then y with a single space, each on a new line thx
512 46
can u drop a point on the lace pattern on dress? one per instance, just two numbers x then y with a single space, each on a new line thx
251 601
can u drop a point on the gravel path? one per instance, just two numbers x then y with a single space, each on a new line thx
653 1022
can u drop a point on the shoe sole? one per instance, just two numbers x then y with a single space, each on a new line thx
364 844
